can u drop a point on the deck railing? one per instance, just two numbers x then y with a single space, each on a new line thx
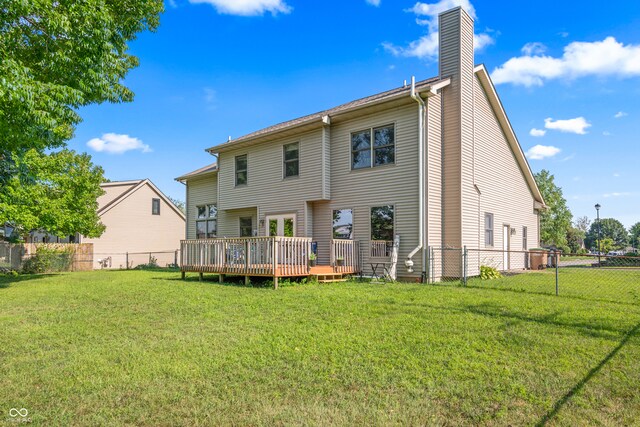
381 248
345 256
251 256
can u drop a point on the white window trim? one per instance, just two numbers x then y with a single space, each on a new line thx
371 148
284 161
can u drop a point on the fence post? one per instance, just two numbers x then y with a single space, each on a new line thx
464 265
557 262
127 260
175 258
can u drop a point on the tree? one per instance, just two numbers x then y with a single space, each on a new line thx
556 220
575 239
634 233
606 245
58 194
179 204
610 228
59 56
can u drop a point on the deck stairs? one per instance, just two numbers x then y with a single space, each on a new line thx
326 273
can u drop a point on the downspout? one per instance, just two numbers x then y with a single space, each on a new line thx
421 107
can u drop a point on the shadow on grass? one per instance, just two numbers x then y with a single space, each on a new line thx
232 281
581 384
551 292
6 280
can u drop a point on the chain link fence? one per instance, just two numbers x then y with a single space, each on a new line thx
604 277
53 257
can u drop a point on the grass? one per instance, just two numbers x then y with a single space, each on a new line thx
144 348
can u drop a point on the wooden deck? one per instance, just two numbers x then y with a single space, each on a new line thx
267 257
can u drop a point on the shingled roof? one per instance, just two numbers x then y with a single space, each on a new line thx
352 105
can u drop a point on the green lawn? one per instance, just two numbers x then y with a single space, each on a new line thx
145 348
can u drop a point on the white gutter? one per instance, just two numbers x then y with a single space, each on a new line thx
421 107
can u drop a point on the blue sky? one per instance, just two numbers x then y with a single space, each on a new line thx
567 72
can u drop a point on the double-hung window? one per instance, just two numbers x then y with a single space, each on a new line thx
291 159
246 227
241 170
525 243
343 224
382 224
488 229
206 221
369 152
155 206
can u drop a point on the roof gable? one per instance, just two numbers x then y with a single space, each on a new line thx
505 124
131 190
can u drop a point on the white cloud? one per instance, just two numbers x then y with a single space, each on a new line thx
577 125
622 194
616 175
601 58
539 152
375 3
434 9
426 47
114 143
534 48
537 132
606 133
247 7
620 114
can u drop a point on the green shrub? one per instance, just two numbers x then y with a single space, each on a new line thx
48 260
582 251
489 273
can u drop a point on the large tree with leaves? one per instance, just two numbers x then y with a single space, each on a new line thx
556 220
58 195
57 56
610 228
634 234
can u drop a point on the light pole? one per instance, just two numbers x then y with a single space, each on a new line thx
598 220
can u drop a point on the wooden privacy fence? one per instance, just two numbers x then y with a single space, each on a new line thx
249 256
13 256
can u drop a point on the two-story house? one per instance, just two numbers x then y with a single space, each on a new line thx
434 163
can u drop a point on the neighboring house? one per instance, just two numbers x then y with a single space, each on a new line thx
141 221
436 163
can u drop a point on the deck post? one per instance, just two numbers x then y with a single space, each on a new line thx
275 282
221 278
200 276
183 274
247 280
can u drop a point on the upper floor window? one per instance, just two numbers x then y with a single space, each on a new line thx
382 151
291 156
241 170
155 206
206 221
488 229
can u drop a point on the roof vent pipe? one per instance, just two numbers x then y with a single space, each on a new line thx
421 108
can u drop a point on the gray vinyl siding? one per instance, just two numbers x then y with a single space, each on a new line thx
266 188
505 192
200 191
361 189
469 194
229 221
434 173
451 110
